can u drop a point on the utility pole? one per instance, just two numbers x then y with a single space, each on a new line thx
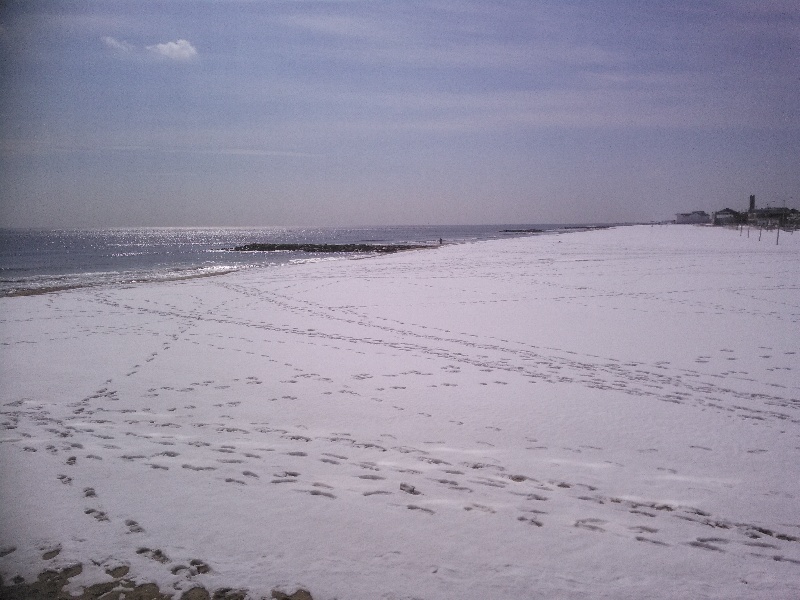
780 220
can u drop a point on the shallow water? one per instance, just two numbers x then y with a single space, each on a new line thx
41 260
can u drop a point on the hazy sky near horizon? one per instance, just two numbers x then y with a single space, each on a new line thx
368 112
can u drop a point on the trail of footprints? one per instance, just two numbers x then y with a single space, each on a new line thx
419 481
406 478
186 571
409 478
659 381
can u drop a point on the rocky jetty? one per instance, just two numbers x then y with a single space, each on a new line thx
327 248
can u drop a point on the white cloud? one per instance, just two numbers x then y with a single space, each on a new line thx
178 50
118 45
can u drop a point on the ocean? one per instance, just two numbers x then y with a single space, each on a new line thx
36 261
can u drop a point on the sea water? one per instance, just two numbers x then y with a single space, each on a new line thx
43 260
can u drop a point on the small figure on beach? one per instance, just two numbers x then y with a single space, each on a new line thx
440 241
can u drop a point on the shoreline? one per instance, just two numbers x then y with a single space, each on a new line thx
105 274
79 286
486 419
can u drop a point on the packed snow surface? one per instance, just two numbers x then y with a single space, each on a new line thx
601 414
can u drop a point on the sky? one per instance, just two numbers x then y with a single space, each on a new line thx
378 112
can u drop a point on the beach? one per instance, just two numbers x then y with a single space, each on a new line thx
609 413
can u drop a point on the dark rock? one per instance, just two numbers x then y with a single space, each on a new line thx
51 554
118 572
229 594
147 591
99 590
300 594
327 248
48 586
197 593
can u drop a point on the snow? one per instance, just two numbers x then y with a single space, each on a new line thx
600 414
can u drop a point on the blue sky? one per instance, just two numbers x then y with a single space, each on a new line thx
367 112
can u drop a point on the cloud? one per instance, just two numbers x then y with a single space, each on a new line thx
117 45
179 50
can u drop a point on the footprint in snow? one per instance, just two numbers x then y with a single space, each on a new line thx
590 524
420 508
196 468
99 515
156 555
480 507
641 538
704 546
318 493
133 526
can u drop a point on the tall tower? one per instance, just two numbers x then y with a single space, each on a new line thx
752 203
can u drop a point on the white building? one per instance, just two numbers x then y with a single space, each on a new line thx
698 216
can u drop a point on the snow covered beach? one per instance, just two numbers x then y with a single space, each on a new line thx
603 414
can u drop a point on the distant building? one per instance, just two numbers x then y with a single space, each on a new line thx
770 217
760 217
698 216
728 216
